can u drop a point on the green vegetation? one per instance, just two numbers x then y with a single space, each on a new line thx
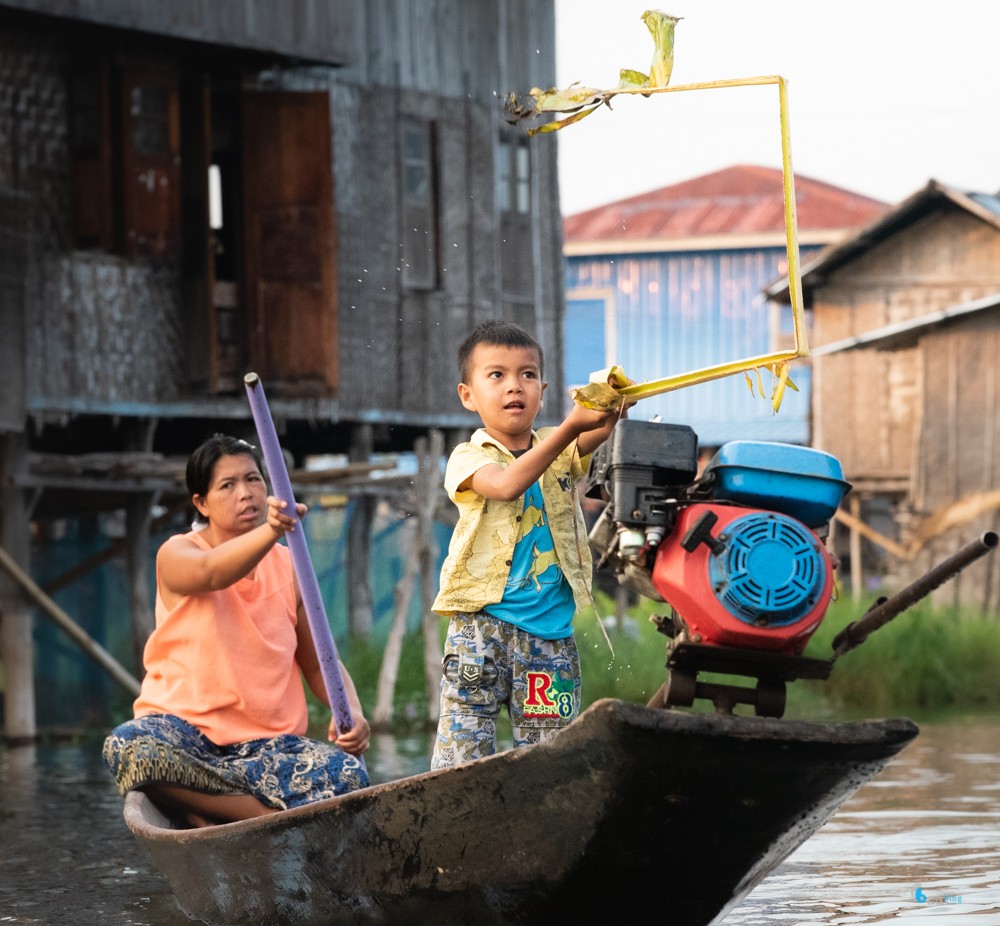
923 661
364 661
926 659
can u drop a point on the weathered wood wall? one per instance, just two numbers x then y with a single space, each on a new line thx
918 424
958 446
866 404
957 477
121 343
455 61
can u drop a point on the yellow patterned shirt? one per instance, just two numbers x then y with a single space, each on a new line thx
479 556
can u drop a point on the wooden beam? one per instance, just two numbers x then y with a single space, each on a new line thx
109 552
80 636
855 523
857 569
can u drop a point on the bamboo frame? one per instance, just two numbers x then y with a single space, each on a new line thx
801 348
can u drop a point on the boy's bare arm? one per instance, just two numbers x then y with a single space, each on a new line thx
492 481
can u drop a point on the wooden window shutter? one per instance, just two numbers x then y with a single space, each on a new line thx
91 155
290 257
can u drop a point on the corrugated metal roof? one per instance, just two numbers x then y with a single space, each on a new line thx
988 201
742 200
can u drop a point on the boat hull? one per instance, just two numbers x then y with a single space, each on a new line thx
630 809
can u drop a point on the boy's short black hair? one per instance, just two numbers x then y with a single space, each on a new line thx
499 333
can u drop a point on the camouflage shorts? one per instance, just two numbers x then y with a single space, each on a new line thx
489 663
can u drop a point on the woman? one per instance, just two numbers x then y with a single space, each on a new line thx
220 720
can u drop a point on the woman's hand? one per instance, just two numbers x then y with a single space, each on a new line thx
355 741
280 522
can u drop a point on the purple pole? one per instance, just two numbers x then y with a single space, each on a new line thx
326 649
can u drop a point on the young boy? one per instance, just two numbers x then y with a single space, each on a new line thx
518 565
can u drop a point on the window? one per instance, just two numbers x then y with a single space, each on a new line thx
126 170
513 173
513 193
419 233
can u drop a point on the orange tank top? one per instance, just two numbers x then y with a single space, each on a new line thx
225 661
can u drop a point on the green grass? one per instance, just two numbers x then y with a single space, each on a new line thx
925 659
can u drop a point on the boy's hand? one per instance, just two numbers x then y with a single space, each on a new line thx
582 419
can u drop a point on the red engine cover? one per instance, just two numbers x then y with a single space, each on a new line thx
767 587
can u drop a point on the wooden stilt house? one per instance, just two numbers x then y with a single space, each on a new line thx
322 191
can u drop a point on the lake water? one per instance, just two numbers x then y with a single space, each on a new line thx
918 845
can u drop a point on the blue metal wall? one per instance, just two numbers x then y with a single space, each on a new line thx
669 313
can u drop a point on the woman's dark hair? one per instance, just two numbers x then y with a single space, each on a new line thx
201 463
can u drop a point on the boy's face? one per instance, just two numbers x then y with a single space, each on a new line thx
505 389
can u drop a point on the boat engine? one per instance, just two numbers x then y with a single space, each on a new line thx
737 552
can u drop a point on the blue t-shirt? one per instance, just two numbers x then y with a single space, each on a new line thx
537 597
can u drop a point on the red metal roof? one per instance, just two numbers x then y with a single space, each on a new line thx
738 200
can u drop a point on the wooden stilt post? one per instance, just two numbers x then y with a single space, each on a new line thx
16 647
857 568
359 533
80 636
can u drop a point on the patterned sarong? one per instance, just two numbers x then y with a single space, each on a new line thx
284 771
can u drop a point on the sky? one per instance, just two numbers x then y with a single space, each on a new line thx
883 95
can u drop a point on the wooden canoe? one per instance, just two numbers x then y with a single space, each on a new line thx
629 810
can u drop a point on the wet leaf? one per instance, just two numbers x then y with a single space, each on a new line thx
582 101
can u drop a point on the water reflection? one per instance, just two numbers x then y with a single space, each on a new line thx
929 824
920 841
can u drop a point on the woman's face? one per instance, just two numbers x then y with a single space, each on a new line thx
236 500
